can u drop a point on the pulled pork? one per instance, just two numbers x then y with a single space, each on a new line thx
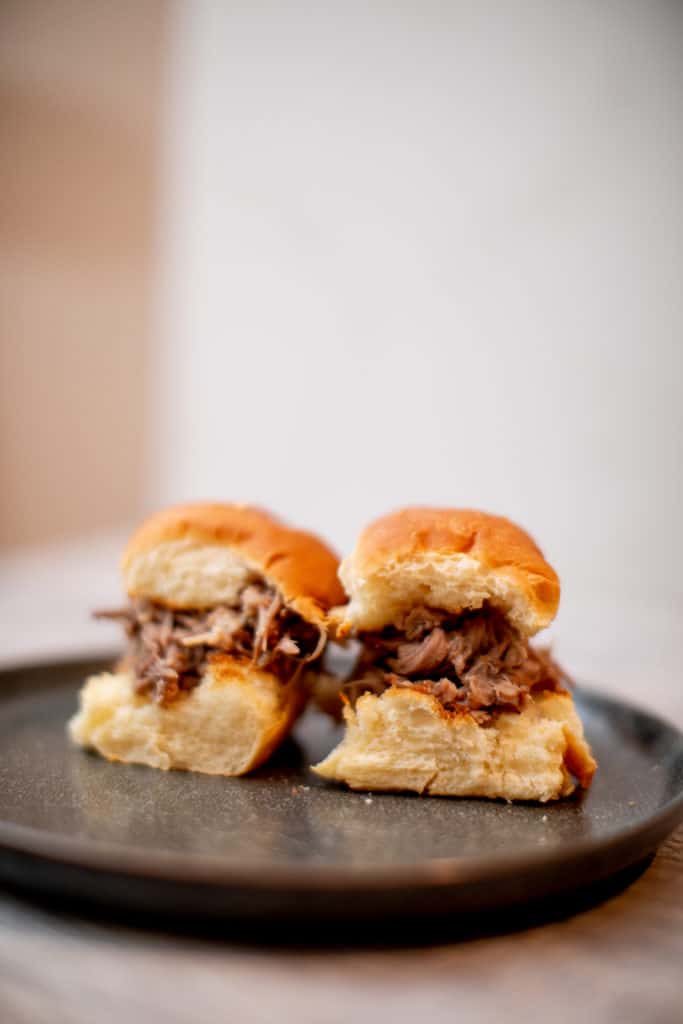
475 661
169 649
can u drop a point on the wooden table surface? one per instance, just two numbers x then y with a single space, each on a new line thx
621 960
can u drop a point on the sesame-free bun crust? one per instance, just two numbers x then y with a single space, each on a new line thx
200 555
227 725
452 559
404 740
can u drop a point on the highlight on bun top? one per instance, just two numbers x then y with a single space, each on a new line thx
449 559
200 555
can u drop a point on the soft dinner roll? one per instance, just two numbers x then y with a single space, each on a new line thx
228 611
446 558
230 723
404 740
449 696
201 555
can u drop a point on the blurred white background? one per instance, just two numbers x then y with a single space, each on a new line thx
432 253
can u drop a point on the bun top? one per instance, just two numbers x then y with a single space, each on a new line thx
451 559
200 555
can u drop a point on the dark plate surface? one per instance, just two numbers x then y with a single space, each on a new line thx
282 843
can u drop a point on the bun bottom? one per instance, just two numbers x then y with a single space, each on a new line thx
227 725
404 740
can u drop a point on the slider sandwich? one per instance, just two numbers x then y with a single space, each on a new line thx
449 696
226 616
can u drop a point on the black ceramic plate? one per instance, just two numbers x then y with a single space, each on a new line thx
283 844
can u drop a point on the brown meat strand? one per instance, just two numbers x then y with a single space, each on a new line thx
168 649
421 657
475 661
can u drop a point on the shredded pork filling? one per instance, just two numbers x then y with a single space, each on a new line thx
168 649
475 661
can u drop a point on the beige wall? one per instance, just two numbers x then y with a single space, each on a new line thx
80 90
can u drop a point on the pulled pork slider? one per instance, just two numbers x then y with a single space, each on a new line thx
227 611
449 697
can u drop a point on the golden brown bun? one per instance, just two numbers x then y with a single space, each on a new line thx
404 740
451 559
227 725
199 555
